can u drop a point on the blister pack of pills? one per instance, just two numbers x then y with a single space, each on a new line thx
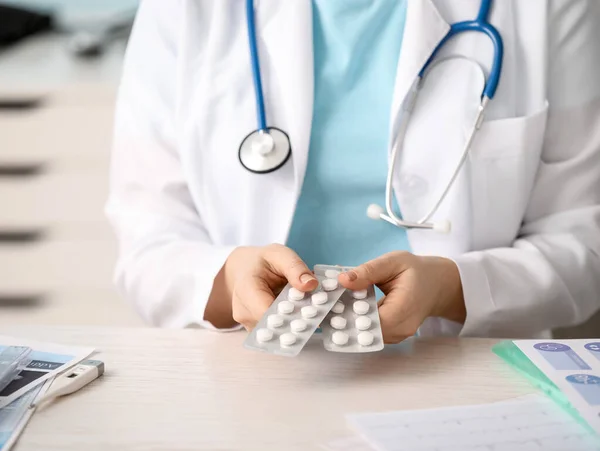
293 317
353 323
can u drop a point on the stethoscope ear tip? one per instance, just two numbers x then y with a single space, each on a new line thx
375 211
442 226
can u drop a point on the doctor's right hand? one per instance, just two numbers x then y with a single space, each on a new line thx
254 276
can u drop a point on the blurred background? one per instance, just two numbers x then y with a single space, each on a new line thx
60 63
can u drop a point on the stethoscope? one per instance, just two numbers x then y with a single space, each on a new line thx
268 148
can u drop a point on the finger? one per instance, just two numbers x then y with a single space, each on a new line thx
286 263
241 315
398 319
252 298
379 271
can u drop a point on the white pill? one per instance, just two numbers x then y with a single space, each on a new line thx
363 323
287 339
338 322
339 338
332 274
285 307
329 284
338 307
298 325
319 298
359 294
264 335
365 339
309 311
361 307
274 321
295 295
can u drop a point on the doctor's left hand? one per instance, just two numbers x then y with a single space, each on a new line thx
415 288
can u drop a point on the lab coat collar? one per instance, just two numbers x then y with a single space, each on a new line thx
424 30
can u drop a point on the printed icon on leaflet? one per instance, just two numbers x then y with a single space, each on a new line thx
561 356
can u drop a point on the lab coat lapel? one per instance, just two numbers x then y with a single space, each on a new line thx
288 72
424 30
415 188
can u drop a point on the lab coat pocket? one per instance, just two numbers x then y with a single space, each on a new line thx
504 161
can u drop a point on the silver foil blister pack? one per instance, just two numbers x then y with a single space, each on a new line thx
293 318
353 324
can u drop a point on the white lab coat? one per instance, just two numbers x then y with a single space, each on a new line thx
525 211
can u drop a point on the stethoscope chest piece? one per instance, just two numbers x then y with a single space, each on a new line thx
264 151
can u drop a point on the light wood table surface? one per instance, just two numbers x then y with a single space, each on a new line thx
197 390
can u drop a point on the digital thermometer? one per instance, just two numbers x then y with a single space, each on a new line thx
73 380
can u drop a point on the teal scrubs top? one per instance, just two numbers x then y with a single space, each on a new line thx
356 49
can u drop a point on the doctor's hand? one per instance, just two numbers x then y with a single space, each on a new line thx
254 276
415 288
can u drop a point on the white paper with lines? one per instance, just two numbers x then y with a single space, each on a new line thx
529 423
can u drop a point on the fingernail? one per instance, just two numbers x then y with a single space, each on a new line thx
352 276
305 278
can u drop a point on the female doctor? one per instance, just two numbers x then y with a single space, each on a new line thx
252 136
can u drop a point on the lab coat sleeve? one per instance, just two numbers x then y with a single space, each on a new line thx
167 263
550 277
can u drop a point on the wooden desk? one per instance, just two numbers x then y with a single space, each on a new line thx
198 390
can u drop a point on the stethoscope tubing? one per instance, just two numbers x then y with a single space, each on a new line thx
482 25
261 115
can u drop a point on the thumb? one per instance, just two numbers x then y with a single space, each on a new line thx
379 271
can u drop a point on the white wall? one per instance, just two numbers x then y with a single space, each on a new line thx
65 276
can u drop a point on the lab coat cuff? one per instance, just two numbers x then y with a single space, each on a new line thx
476 293
205 284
